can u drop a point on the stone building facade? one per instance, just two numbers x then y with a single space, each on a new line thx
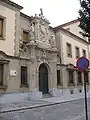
36 59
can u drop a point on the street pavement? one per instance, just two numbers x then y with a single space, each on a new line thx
73 110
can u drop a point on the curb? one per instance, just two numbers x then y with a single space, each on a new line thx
37 106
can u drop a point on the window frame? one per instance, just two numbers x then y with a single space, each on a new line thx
58 79
83 51
78 82
69 55
24 83
1 19
26 31
3 37
77 56
69 81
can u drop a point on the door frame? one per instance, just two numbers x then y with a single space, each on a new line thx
46 89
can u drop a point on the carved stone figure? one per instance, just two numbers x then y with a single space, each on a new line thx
32 32
42 32
52 41
20 43
41 11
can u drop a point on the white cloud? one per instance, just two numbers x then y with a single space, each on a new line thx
56 11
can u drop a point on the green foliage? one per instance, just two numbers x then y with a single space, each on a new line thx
84 17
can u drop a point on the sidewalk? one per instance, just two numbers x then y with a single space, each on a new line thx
30 104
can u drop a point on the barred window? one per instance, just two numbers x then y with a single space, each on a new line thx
69 51
58 77
24 75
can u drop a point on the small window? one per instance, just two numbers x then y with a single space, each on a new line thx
84 53
71 78
58 77
77 52
1 27
69 51
24 75
25 36
79 77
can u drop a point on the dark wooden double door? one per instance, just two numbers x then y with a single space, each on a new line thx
43 79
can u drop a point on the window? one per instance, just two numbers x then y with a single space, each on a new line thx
71 78
25 36
77 52
58 77
79 77
24 75
84 53
1 27
86 76
69 51
1 74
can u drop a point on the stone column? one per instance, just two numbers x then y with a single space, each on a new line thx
33 94
53 76
33 69
75 81
64 77
75 78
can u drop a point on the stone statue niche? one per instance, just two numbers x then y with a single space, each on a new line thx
52 41
32 33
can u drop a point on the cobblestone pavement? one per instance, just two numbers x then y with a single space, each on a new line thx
73 110
22 104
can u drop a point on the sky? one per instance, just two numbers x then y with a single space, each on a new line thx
56 11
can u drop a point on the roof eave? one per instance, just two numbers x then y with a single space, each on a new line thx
25 16
12 4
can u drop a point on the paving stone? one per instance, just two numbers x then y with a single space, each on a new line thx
73 110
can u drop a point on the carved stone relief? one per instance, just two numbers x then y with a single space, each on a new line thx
41 26
32 33
52 41
43 56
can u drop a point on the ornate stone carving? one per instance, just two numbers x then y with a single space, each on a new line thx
52 41
32 33
41 11
20 43
41 29
32 60
42 32
44 55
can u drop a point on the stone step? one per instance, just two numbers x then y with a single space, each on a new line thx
47 95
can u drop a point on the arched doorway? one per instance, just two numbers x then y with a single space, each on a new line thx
43 79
